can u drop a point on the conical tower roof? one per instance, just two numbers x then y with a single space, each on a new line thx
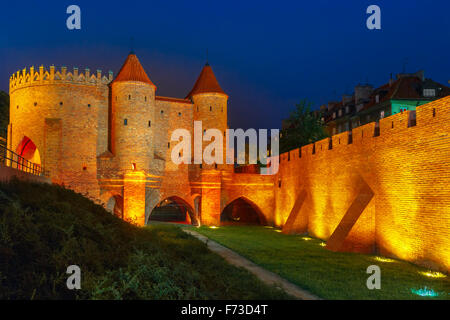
206 83
132 70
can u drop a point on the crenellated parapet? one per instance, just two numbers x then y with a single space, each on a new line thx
43 76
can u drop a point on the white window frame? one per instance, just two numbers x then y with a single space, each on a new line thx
429 92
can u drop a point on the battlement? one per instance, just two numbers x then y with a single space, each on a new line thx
44 76
403 159
424 116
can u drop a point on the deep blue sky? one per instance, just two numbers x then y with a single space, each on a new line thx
267 55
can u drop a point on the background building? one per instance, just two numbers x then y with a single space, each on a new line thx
367 104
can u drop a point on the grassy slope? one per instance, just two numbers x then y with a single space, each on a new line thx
331 275
44 229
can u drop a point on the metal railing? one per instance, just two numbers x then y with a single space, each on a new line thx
11 159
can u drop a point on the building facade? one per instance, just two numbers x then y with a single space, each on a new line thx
368 104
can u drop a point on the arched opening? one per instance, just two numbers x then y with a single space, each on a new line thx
115 206
174 210
242 211
198 207
27 150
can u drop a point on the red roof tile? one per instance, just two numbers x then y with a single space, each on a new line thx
206 83
169 99
132 70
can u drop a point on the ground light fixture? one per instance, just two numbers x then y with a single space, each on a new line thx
425 292
433 274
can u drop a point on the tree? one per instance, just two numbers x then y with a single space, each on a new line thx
301 128
4 113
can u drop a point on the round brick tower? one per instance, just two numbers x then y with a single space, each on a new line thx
132 112
210 106
57 121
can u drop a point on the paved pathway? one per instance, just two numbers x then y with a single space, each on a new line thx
266 276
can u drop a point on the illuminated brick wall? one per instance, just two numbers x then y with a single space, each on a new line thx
134 197
408 168
64 114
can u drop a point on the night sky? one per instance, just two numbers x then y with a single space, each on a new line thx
267 55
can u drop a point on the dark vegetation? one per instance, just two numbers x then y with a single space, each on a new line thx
45 228
303 127
4 113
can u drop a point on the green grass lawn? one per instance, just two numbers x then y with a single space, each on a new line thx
330 275
45 228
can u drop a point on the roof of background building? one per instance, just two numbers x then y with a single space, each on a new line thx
169 99
409 87
206 83
132 70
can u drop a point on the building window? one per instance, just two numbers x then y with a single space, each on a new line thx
340 112
35 104
429 92
61 103
149 123
89 105
377 98
382 114
162 111
334 115
179 113
133 166
347 109
210 108
145 99
129 97
168 145
125 122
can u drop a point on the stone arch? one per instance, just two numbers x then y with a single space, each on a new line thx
242 210
27 150
197 199
169 205
115 205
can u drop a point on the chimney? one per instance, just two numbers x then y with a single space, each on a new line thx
346 99
420 74
362 92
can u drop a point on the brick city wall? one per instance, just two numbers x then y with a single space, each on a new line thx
407 166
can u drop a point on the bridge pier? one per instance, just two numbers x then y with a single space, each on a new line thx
134 197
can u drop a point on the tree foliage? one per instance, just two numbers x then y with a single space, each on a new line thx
4 113
301 128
